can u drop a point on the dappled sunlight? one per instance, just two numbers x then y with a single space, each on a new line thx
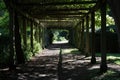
60 42
50 64
68 50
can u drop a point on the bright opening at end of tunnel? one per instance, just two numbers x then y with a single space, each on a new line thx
60 36
60 42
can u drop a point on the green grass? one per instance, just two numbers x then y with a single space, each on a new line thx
112 57
70 50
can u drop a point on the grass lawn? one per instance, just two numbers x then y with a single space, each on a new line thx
112 57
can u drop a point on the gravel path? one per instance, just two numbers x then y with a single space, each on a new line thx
50 65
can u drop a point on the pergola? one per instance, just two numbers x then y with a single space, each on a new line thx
42 14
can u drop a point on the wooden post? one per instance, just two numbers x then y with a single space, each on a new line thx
103 66
35 34
39 34
70 36
24 33
11 34
87 36
31 36
82 37
93 59
77 36
18 47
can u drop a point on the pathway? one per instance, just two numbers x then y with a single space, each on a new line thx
50 65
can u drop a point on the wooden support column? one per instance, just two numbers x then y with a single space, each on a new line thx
42 31
82 37
103 65
71 36
87 36
24 32
11 35
78 38
36 32
31 36
18 47
39 34
93 59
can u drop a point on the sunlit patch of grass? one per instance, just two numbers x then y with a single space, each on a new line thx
71 50
112 57
117 62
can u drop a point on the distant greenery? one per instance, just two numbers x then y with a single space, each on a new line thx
60 35
109 18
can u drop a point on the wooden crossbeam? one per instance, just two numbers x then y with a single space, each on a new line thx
55 20
56 3
68 9
58 16
94 8
44 14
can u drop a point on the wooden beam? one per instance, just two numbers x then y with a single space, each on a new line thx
94 8
69 9
57 13
57 16
55 20
15 8
56 3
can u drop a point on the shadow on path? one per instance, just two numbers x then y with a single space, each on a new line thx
52 64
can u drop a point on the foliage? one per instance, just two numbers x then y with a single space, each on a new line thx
4 16
28 54
37 47
4 38
109 19
60 35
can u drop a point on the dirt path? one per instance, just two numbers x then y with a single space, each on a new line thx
50 65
